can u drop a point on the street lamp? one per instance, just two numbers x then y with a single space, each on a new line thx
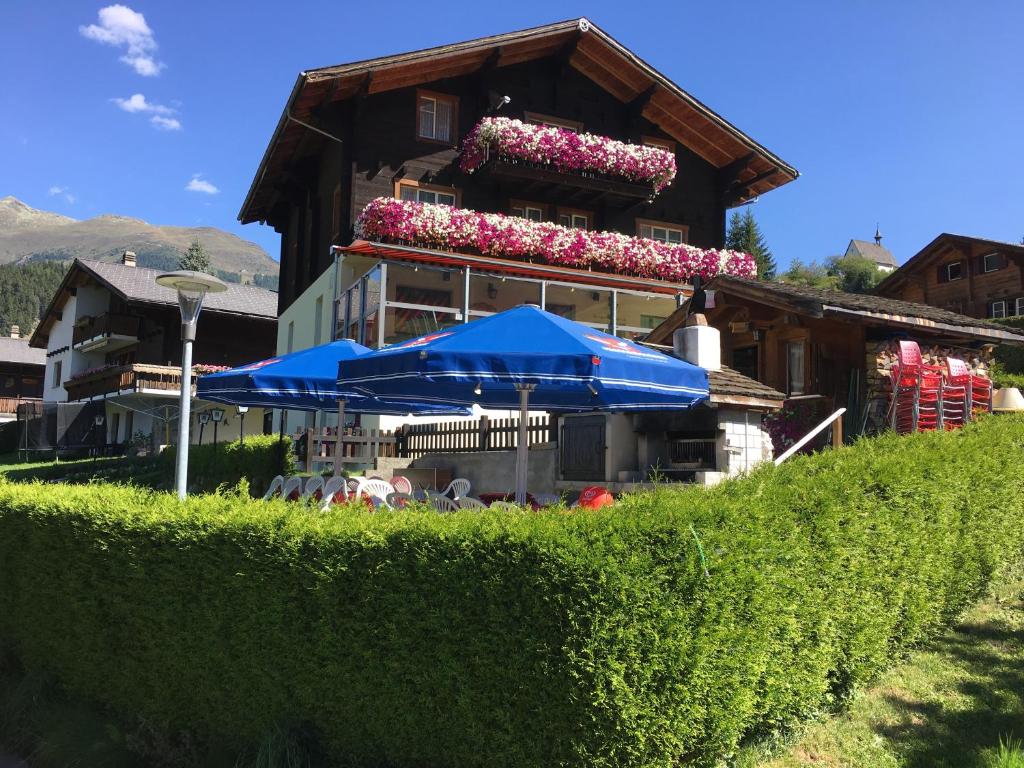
242 410
204 419
192 288
217 414
97 422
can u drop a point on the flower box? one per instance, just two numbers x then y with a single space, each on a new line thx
493 234
513 141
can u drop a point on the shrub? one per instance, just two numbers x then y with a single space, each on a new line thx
650 633
259 459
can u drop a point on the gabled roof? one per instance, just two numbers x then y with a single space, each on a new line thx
138 285
922 257
587 48
869 309
19 352
875 252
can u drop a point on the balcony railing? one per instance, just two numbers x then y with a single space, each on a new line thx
10 405
138 377
100 330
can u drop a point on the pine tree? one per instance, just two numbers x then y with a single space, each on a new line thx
745 235
196 258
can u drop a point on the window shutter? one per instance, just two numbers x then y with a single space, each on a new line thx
943 275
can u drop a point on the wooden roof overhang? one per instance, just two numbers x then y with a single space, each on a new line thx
537 271
747 168
938 250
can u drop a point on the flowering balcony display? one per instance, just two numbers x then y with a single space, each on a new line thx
566 151
441 226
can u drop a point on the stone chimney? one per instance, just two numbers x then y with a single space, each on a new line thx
15 332
128 258
698 343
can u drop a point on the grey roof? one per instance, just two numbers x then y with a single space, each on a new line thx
873 252
729 382
18 351
139 284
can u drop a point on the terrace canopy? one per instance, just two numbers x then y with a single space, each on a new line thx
529 358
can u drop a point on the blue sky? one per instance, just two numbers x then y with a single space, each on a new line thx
905 113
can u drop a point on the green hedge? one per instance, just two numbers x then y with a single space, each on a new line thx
529 639
259 459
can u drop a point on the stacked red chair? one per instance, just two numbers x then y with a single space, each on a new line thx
981 394
906 379
929 399
956 394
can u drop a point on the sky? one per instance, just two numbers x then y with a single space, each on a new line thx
905 114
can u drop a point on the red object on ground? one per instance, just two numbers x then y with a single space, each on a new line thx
595 497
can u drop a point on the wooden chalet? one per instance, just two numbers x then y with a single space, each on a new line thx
391 127
970 275
21 374
807 341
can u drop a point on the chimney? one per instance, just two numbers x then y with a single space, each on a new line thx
698 343
15 332
128 258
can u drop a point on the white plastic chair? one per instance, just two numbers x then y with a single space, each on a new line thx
275 488
332 488
443 504
457 488
506 505
468 502
375 488
292 487
401 484
398 500
314 490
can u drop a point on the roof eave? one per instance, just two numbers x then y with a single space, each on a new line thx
920 322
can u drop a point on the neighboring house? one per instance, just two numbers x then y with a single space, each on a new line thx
113 348
874 252
809 341
21 374
391 127
970 275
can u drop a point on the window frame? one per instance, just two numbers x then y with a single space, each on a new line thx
992 309
984 262
1018 306
960 271
58 371
656 141
456 192
550 121
526 205
422 93
571 212
683 229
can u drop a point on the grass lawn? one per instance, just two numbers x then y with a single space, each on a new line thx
948 706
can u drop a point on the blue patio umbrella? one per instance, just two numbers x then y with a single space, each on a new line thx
528 358
307 380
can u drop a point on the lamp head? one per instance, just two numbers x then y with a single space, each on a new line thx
217 414
204 418
192 288
243 409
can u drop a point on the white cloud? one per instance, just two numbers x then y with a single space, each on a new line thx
137 103
122 27
165 123
199 184
64 192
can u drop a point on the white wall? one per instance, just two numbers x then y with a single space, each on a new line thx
60 337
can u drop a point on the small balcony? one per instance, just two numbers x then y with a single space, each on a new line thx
138 378
106 333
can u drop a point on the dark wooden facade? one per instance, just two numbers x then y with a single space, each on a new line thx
969 275
358 140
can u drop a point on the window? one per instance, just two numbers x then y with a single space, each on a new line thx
991 262
573 219
998 309
1019 308
57 365
654 141
318 320
554 122
525 210
421 193
795 367
674 234
436 117
291 336
954 271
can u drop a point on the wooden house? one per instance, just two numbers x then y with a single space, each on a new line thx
969 275
21 374
392 127
113 348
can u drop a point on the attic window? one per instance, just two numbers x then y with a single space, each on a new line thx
436 115
954 271
992 262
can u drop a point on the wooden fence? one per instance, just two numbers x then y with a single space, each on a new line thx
362 446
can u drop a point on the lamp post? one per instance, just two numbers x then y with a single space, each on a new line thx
192 288
97 422
204 419
217 414
242 410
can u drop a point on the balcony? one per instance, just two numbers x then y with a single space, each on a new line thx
138 378
105 333
570 188
10 405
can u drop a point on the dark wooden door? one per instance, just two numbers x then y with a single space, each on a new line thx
583 447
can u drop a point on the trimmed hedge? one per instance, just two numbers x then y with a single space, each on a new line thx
259 459
656 631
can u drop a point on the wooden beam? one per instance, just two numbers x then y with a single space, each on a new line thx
737 191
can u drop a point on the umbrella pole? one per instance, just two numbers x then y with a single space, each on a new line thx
339 444
522 445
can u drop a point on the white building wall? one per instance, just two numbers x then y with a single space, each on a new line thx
60 338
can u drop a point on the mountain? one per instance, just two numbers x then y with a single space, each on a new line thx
30 235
